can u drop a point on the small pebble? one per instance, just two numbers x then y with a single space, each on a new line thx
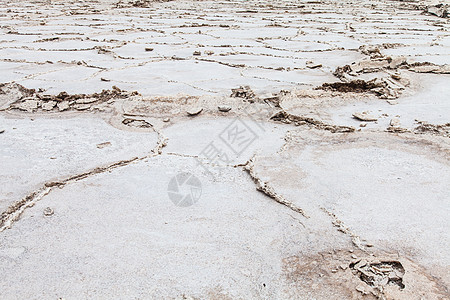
48 211
166 120
194 111
364 116
103 145
312 65
224 108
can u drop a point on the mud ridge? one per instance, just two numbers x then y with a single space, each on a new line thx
265 188
344 229
425 127
13 213
284 117
30 100
354 86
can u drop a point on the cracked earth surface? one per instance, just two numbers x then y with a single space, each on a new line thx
337 189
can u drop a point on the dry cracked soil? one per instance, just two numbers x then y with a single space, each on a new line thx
224 149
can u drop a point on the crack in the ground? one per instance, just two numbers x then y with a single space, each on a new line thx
13 213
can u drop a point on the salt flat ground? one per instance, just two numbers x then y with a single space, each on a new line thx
224 150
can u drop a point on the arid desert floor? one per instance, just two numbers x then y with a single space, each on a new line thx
224 149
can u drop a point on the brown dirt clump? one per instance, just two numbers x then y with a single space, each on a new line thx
244 92
354 86
355 274
425 127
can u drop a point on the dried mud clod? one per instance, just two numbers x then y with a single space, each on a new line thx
341 71
439 10
379 274
244 92
395 126
384 88
389 83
